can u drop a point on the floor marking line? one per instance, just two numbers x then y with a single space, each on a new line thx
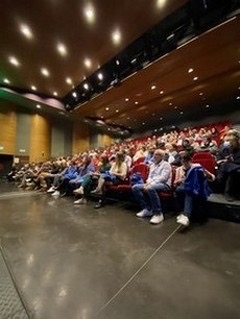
138 271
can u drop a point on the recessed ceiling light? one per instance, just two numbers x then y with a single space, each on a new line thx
6 81
62 49
181 112
136 102
195 78
170 103
69 81
161 3
74 94
117 62
13 61
38 106
161 118
175 107
117 111
86 86
55 93
153 87
100 76
116 37
45 72
201 93
128 118
107 108
33 87
89 13
127 99
207 106
87 63
238 97
190 70
109 129
161 92
26 31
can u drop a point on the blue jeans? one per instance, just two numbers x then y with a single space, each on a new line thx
186 199
152 200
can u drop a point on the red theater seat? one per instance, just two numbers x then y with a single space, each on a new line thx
206 159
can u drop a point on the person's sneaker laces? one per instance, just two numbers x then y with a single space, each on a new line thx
157 219
183 220
144 213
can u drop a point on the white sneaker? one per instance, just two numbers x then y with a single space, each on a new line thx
56 193
79 190
179 216
183 220
80 201
157 219
144 213
51 189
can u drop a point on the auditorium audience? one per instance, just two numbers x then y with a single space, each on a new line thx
99 168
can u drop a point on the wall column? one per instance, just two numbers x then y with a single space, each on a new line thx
40 140
8 126
80 138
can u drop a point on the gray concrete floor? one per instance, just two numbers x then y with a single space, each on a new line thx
79 263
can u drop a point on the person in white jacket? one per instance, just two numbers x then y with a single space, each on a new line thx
159 179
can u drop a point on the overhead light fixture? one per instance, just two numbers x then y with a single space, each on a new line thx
55 93
190 70
13 60
33 87
100 76
238 97
26 31
170 104
161 3
89 13
88 63
74 94
153 87
136 102
161 118
127 99
86 86
107 108
161 92
201 93
117 111
116 37
45 72
207 106
181 112
195 78
38 106
69 81
117 62
6 81
175 107
143 123
61 48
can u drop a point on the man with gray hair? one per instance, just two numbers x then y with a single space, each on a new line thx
159 179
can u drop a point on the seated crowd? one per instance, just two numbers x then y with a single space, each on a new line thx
168 161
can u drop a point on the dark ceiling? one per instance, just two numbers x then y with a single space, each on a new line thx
163 92
54 22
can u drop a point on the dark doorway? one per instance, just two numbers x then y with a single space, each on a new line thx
6 162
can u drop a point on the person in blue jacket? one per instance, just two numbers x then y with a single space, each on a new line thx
191 181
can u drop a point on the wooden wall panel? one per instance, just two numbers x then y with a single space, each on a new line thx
106 140
80 138
40 139
8 125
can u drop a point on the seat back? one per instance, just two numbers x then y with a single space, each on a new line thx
206 159
141 168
